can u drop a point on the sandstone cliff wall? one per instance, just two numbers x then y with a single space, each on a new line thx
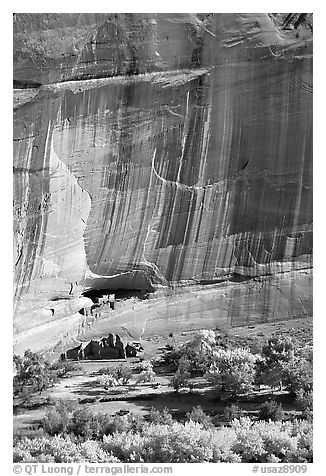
157 149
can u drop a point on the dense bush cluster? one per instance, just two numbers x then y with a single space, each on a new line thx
147 374
131 439
60 449
233 412
117 375
235 370
197 415
159 417
304 401
62 368
71 434
270 410
83 423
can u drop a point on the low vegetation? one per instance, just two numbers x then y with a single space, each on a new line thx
233 372
64 368
113 376
86 437
270 411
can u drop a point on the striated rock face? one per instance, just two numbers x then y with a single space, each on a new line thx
155 149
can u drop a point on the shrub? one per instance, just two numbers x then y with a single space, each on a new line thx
28 432
105 371
172 358
123 374
197 415
56 420
273 441
61 450
161 417
232 412
182 376
183 443
304 400
98 426
62 368
135 423
92 451
53 423
108 381
145 365
85 425
179 381
80 423
189 442
124 423
249 444
147 375
270 410
112 376
24 456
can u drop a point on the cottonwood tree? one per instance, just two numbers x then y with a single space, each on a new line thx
298 375
232 370
198 352
278 355
181 378
33 374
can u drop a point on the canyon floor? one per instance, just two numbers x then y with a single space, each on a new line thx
81 385
170 317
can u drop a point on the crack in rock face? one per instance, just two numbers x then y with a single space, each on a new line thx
156 150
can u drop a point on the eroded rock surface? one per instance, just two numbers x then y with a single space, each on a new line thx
158 149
